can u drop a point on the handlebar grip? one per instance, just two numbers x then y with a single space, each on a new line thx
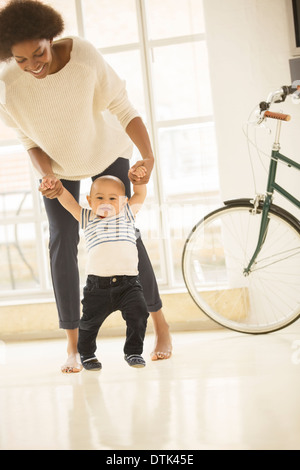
279 116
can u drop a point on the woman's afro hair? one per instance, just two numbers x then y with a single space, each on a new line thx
24 20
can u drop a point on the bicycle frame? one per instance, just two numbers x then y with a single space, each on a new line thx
271 187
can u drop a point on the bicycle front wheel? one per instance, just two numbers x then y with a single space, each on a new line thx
214 259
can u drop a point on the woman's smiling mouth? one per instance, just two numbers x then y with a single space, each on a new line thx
38 71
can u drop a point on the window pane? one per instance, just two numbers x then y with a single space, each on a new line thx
15 189
19 268
149 225
128 67
188 161
190 182
110 23
181 81
167 18
182 217
68 11
155 254
6 133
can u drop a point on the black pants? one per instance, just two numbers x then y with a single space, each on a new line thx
63 247
101 297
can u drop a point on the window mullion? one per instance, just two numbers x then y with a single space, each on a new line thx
170 41
79 17
151 119
41 255
185 121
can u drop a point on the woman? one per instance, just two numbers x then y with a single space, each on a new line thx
71 113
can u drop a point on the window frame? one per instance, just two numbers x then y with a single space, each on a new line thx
145 46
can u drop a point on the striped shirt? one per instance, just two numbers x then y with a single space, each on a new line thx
111 243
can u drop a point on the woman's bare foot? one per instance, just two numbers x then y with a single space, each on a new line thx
163 342
72 365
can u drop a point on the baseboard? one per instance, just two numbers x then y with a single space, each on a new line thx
39 321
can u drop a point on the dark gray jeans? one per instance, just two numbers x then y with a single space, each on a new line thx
101 297
63 247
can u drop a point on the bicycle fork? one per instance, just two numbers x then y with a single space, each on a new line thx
264 224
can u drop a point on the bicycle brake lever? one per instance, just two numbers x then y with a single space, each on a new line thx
263 106
260 116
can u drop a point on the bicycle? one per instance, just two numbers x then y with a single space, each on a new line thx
241 262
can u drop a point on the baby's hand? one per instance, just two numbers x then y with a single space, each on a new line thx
48 182
140 172
51 187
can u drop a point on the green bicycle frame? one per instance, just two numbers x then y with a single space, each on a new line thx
271 187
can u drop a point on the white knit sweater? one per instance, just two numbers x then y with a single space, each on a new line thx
77 116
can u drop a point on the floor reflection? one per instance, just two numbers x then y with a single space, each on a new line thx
220 390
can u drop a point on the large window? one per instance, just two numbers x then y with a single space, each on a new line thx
159 48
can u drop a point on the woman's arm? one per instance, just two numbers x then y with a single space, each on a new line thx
42 163
137 132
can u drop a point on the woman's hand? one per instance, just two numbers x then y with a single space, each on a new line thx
137 176
51 187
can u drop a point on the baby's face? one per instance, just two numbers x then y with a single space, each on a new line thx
106 198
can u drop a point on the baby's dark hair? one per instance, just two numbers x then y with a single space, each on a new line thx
25 20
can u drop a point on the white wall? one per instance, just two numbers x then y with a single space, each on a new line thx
249 50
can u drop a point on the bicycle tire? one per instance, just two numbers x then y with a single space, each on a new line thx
214 258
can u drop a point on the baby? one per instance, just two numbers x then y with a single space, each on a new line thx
112 265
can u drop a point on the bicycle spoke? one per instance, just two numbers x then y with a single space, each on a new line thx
283 255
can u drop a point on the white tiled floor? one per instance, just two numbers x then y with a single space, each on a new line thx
220 390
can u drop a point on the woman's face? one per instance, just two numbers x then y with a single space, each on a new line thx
34 56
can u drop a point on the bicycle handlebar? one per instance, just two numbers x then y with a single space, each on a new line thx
277 96
279 116
280 95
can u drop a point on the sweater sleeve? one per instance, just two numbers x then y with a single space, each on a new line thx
25 141
9 122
